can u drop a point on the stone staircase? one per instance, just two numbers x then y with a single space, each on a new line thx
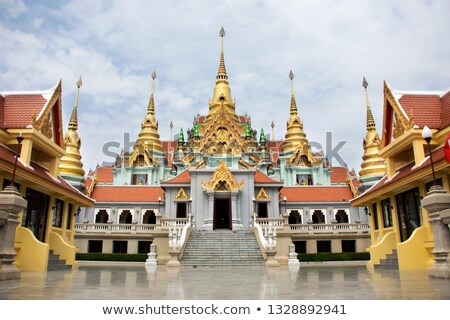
391 262
55 263
222 248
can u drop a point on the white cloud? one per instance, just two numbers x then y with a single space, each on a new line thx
329 45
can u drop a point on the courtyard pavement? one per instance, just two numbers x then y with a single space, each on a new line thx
310 282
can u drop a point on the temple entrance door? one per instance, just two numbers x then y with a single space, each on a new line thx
36 213
222 213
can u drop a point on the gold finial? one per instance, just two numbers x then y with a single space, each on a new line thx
222 74
370 123
291 76
293 103
365 84
73 122
151 103
153 81
79 82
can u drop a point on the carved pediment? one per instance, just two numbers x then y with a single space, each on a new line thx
222 180
181 195
142 157
262 195
303 156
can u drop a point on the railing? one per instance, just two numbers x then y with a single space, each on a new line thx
113 228
172 222
267 230
336 228
178 234
270 221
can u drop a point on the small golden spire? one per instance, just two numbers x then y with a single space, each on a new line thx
151 103
370 123
294 110
222 73
73 122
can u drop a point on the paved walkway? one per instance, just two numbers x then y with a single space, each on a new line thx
310 282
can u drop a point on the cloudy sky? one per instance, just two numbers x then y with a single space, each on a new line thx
329 45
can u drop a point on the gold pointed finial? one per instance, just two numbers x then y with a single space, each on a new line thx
291 76
151 103
73 122
222 73
365 84
370 123
153 81
79 82
293 103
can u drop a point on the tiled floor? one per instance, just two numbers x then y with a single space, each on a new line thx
310 282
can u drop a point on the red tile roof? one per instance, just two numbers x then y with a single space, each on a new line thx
19 108
316 194
339 175
182 178
426 109
39 172
104 193
104 174
445 100
260 177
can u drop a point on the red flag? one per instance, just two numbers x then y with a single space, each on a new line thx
447 148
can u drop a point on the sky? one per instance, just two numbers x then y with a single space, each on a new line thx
329 45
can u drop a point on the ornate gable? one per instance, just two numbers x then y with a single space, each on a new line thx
222 180
222 134
181 195
395 119
49 120
262 195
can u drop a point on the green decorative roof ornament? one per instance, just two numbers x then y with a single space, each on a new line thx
181 136
262 138
196 129
247 130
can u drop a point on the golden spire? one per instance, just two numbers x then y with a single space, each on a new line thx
294 110
370 122
222 92
222 73
148 140
148 137
70 165
151 103
373 164
295 137
73 122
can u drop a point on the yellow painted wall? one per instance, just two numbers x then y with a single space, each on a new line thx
412 253
32 255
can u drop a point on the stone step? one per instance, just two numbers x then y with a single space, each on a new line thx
55 263
390 263
222 248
